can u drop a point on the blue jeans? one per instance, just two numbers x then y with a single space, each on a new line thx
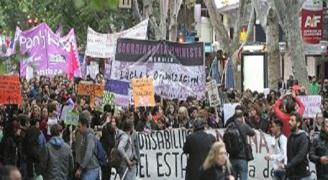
130 173
240 167
91 174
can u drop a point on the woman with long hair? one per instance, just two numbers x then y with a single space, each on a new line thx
216 165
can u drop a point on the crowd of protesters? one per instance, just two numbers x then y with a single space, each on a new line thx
36 144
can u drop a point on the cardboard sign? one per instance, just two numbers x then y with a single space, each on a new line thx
312 105
10 90
72 118
213 93
143 92
92 90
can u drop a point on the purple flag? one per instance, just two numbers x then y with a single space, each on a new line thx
46 55
118 87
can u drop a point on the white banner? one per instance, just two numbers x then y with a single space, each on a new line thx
312 105
162 157
101 45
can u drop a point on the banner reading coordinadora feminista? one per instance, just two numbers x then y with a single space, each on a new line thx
177 69
162 158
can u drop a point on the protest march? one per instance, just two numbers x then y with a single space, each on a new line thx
122 105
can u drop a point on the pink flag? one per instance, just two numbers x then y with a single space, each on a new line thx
72 63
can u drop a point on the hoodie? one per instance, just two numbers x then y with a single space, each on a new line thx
88 151
298 146
58 160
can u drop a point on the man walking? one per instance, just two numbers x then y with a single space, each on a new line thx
279 155
239 160
128 148
298 145
319 152
88 166
58 158
197 146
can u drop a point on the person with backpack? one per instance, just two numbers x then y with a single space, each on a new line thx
197 146
298 145
128 148
240 152
279 151
89 166
57 161
34 145
319 152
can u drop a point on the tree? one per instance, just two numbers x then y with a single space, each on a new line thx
79 14
288 15
269 22
228 46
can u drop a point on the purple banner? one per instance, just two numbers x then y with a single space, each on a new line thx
117 87
46 55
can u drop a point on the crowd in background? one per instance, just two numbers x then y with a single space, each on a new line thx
36 143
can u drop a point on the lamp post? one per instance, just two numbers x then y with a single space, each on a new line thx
282 50
323 47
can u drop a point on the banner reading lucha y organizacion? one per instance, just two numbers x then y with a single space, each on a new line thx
177 69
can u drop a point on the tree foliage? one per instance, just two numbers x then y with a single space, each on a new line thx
101 15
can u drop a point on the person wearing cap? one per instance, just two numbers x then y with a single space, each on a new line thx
197 146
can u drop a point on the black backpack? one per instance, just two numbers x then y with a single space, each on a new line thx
232 140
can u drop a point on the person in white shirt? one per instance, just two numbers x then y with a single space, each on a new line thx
278 156
52 118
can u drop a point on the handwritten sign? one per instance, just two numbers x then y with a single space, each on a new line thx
92 90
312 105
72 118
143 92
10 90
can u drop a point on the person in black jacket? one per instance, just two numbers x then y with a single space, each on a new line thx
239 162
298 145
108 141
319 152
197 146
216 165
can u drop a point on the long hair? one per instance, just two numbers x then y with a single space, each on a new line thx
210 160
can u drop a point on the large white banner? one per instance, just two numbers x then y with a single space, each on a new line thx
162 156
101 45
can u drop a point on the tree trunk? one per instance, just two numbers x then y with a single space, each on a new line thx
288 15
272 43
296 52
174 9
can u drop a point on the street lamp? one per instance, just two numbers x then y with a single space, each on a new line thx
282 50
323 47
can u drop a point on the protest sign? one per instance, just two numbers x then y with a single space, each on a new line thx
65 111
10 90
312 105
91 90
143 92
72 118
119 90
177 69
103 45
229 110
213 93
162 157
